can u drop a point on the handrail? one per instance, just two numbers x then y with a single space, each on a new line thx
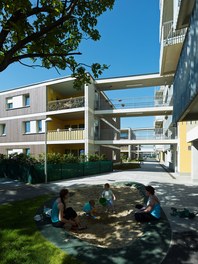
136 102
73 102
171 36
139 134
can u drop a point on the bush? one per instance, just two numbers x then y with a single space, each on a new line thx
96 157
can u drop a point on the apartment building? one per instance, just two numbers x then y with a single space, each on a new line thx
53 115
25 114
179 49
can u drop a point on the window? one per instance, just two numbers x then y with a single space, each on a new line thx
27 151
27 127
33 126
14 151
9 103
18 101
39 126
124 135
2 129
26 100
81 152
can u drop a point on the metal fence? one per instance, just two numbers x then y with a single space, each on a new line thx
35 174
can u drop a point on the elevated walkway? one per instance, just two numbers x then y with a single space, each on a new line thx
137 142
144 111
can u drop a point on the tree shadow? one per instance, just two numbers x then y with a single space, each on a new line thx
151 247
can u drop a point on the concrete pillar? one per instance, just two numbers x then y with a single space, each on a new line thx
194 161
129 152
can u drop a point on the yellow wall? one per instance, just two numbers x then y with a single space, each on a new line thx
61 148
184 149
57 123
53 95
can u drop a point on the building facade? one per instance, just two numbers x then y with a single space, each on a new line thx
179 49
73 126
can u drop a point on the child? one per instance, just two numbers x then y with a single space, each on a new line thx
109 196
89 208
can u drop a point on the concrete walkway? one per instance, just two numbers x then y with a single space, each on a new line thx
172 189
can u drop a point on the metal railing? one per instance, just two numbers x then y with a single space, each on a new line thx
135 102
141 134
109 134
171 36
73 102
124 103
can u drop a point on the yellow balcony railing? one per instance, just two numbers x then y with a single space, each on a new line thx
58 135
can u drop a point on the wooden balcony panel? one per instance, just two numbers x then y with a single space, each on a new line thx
65 135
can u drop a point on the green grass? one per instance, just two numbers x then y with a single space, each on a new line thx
20 240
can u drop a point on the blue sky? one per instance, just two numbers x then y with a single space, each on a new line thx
129 44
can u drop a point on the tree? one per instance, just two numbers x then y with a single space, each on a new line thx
49 33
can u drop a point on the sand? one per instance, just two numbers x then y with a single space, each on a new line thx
108 229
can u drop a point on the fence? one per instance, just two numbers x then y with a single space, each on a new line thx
35 174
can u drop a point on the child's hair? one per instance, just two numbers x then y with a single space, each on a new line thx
92 203
107 185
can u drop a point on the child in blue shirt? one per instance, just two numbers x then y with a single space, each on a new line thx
89 208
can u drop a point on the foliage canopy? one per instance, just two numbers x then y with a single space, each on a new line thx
49 33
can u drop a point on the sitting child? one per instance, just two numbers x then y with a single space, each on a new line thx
109 196
89 208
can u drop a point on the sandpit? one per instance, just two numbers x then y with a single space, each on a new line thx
109 229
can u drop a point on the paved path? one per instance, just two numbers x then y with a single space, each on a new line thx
172 189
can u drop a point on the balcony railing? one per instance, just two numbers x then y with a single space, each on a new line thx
135 102
109 134
141 134
66 134
74 102
171 36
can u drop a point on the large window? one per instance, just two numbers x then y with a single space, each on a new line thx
33 126
18 101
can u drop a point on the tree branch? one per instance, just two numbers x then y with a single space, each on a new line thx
40 33
40 55
17 16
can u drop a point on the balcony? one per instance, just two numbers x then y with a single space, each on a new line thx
65 134
66 103
171 45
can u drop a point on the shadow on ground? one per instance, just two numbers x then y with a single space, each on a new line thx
151 247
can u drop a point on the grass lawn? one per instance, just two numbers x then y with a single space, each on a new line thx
20 240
